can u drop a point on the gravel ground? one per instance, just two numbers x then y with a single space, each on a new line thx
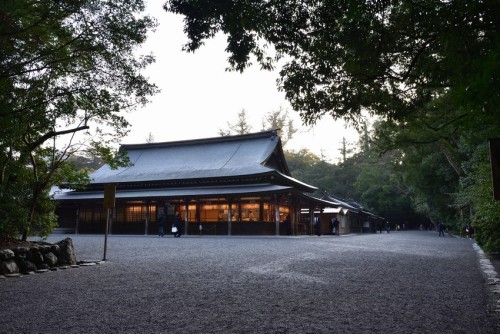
405 282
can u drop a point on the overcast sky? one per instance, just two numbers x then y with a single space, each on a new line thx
198 97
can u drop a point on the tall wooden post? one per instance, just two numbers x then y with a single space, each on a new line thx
229 215
109 204
77 220
277 214
311 218
146 222
295 221
186 217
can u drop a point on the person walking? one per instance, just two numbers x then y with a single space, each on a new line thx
161 224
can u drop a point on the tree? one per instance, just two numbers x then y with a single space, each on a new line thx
381 188
273 120
150 138
475 201
280 120
68 71
241 126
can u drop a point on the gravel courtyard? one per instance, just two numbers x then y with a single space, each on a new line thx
405 282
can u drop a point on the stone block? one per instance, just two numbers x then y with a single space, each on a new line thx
35 256
25 266
67 255
8 267
50 259
6 254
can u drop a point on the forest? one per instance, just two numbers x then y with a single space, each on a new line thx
413 185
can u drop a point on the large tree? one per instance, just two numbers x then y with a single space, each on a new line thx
68 71
389 57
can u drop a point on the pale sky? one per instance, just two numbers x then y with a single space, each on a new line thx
198 97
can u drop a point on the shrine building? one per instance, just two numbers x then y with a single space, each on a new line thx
229 185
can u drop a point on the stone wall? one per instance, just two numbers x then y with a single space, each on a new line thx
40 257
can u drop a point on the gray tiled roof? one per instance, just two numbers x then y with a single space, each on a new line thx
194 159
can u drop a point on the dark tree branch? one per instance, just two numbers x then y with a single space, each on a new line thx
52 134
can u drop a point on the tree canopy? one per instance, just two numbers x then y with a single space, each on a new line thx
68 71
389 57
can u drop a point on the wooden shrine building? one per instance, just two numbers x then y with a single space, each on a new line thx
230 185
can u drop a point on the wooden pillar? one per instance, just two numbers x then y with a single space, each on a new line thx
320 220
294 216
229 215
77 223
295 222
261 211
146 222
186 217
277 214
239 215
111 220
311 220
197 213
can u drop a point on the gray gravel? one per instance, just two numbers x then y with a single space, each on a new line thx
406 282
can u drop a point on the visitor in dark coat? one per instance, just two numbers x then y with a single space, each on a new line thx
318 226
161 224
441 229
335 224
288 225
177 224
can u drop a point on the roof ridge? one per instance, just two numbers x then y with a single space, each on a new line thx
263 134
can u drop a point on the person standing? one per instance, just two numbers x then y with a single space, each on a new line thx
441 229
161 224
177 225
288 225
335 224
318 226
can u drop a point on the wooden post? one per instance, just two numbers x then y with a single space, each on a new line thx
109 204
108 214
229 215
311 218
277 214
77 220
146 223
295 221
186 217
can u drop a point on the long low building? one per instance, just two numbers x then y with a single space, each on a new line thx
229 185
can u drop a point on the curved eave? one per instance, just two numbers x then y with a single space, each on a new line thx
227 180
296 183
182 192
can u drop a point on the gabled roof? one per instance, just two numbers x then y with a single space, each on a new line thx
338 202
219 157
